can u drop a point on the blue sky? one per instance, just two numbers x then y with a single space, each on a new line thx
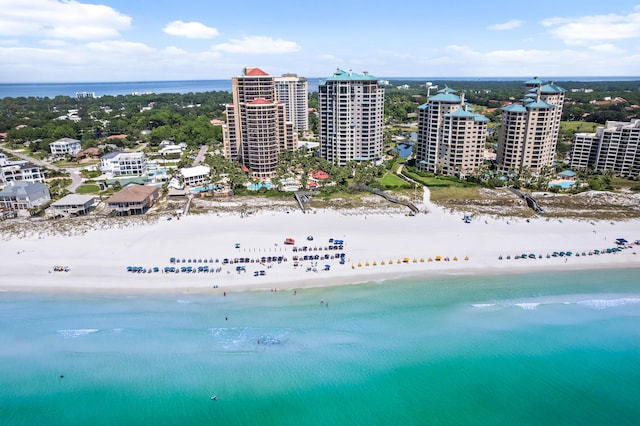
129 40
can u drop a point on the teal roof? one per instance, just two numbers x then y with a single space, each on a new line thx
447 90
551 88
424 106
341 75
445 97
535 81
460 112
514 108
465 113
539 104
480 117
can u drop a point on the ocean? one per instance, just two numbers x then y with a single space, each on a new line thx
51 90
549 348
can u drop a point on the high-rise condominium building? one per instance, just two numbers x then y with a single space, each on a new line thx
451 138
293 91
529 130
616 146
257 129
351 109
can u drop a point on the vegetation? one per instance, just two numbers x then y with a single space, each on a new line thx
33 123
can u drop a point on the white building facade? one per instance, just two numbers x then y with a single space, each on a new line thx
65 146
293 92
196 176
351 112
124 164
616 147
19 170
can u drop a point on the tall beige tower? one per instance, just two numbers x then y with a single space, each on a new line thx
451 138
529 130
257 129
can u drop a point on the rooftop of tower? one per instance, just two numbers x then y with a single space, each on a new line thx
341 75
254 72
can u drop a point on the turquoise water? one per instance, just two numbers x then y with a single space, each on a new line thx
257 186
563 185
555 348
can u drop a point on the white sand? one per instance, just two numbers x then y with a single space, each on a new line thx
97 260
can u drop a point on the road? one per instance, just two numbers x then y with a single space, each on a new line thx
74 173
29 159
200 157
76 179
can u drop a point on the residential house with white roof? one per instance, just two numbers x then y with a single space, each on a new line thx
72 205
124 164
195 176
19 170
65 146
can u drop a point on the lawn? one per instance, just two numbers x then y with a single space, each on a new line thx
578 126
391 181
88 189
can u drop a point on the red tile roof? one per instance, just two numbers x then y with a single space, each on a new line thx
259 101
254 72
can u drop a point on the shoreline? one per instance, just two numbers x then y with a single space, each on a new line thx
379 245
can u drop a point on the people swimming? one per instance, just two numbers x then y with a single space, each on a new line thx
214 397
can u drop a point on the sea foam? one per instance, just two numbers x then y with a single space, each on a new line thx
73 333
600 304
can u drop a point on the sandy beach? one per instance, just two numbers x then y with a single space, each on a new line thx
377 245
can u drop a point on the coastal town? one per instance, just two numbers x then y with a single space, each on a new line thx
275 179
345 213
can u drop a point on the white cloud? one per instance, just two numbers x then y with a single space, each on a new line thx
509 25
53 43
607 49
60 19
119 47
190 30
257 45
173 50
588 29
9 42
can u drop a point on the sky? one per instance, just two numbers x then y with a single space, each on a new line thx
130 40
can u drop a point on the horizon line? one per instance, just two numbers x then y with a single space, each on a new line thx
470 78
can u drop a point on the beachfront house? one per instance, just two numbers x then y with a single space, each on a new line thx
133 200
65 146
22 196
195 176
19 170
72 205
124 164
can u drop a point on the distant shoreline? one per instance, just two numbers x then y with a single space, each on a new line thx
122 88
